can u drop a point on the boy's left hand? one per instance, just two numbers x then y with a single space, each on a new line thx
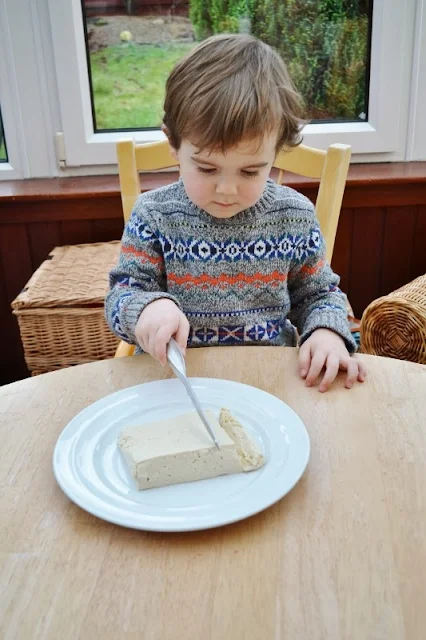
326 349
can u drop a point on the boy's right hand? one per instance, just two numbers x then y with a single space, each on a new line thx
158 322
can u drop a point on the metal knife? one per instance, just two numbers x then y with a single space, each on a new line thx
177 363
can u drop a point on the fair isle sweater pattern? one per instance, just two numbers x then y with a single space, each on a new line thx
251 279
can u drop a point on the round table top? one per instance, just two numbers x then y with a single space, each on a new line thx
342 556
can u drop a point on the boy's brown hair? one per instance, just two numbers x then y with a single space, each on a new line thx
228 89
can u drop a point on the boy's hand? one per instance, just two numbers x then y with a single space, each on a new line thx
326 349
158 322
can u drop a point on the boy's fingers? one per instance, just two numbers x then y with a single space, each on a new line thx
304 359
144 341
317 364
162 339
332 369
140 335
362 371
352 373
150 344
140 342
181 335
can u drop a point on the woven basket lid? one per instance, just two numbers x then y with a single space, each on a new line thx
74 275
394 326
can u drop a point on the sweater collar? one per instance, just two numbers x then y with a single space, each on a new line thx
247 215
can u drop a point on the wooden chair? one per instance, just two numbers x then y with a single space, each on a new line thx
330 167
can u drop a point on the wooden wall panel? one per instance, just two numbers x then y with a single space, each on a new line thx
343 248
12 361
15 257
43 237
75 232
107 230
15 265
418 263
366 263
398 243
380 243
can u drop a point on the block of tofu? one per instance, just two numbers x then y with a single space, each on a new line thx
180 450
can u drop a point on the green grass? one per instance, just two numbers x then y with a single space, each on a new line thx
3 156
128 83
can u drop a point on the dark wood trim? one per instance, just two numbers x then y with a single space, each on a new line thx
64 210
371 175
384 195
75 188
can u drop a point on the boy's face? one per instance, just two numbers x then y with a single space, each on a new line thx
223 184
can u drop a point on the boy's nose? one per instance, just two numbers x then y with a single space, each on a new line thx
226 187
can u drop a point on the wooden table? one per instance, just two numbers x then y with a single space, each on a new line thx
343 556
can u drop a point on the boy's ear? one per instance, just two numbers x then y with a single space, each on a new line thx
166 133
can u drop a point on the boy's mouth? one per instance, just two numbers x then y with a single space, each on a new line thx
226 204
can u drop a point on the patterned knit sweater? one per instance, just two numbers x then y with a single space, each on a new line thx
249 279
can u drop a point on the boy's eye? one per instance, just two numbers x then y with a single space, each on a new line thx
204 170
246 174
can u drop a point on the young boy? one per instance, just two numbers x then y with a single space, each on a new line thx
224 256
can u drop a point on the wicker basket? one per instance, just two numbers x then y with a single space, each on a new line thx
395 325
61 310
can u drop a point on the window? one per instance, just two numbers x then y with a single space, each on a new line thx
368 116
3 150
76 74
130 52
129 56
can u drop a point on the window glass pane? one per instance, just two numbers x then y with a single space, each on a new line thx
133 44
3 151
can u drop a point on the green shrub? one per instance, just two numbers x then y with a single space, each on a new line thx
346 75
324 43
209 17
199 13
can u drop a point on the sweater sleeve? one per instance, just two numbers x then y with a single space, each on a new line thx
139 277
316 300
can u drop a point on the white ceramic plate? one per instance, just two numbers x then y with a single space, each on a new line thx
91 471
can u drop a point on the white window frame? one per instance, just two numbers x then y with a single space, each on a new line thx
384 133
16 165
28 93
416 144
